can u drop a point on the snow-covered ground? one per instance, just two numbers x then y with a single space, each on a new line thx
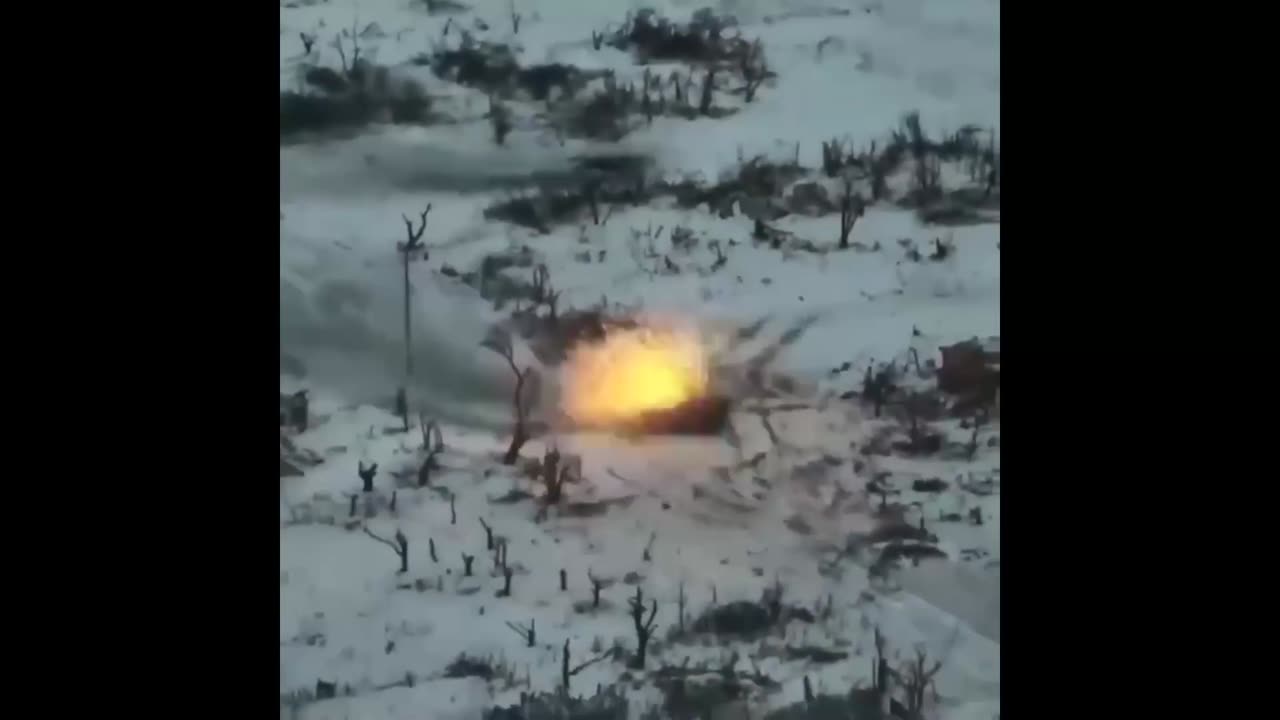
724 529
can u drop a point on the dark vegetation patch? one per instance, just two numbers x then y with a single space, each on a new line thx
494 69
464 666
915 552
898 531
906 171
729 65
589 192
744 619
348 98
704 39
694 693
607 704
929 485
815 654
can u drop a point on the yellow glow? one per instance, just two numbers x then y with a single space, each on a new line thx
632 372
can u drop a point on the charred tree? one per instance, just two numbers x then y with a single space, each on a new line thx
400 547
644 628
500 342
366 476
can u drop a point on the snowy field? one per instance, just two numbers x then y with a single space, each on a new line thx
796 495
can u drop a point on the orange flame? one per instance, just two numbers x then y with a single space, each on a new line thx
632 372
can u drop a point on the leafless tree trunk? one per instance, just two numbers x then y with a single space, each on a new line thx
529 634
754 70
680 600
708 88
500 342
644 628
433 443
851 208
916 679
366 476
515 18
596 585
566 673
499 120
400 547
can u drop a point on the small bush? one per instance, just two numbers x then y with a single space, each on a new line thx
300 112
464 666
654 38
609 704
349 100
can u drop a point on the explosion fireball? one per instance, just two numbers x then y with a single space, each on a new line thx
631 373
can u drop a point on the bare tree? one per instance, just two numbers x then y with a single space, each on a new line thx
433 443
566 673
488 534
553 300
881 673
647 556
591 191
773 601
877 387
506 582
680 600
431 547
646 103
714 246
644 628
529 634
541 287
971 449
400 547
833 157
366 476
515 18
852 207
307 41
407 250
553 475
453 509
754 70
564 580
499 341
500 120
500 554
941 251
596 585
348 70
466 564
708 89
916 678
